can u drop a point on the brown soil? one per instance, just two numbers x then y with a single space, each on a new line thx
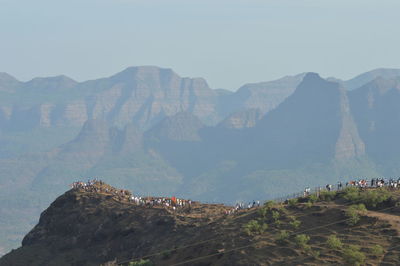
89 228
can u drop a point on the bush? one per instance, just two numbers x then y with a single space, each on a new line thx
372 198
334 243
352 194
293 202
283 236
302 240
263 211
314 253
327 195
269 204
141 263
353 256
377 250
295 224
275 215
353 213
313 198
255 227
308 204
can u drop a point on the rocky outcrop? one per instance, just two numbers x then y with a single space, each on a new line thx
244 119
376 110
183 126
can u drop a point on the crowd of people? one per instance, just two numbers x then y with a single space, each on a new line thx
174 203
360 183
98 186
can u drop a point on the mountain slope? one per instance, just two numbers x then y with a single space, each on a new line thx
94 227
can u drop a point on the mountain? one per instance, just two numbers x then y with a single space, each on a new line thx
101 226
182 126
264 96
377 113
313 124
362 79
242 119
139 95
154 132
8 83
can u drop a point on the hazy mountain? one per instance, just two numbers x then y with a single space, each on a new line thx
264 96
152 131
364 78
8 83
377 112
242 119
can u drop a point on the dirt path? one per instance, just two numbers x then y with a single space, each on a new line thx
394 220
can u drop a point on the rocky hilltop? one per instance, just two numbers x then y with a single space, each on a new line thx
99 224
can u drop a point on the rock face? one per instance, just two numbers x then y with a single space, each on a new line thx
243 119
313 124
183 126
369 76
376 109
263 96
139 95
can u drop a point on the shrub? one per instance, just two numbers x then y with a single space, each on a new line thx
377 250
313 198
255 227
302 240
327 195
283 236
293 202
269 204
353 213
275 215
141 263
334 243
372 198
263 212
295 224
314 253
308 204
352 194
353 256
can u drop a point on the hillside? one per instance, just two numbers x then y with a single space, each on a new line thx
100 224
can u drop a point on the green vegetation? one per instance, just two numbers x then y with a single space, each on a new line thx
275 215
308 204
269 204
334 243
293 202
313 198
327 195
283 236
295 224
255 227
141 263
377 250
370 198
353 256
353 213
302 240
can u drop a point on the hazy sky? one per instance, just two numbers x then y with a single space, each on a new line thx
228 42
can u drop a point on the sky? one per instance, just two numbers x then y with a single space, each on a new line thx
228 42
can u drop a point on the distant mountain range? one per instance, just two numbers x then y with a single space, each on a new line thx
154 132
